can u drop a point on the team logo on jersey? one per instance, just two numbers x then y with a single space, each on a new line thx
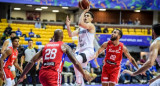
113 51
120 48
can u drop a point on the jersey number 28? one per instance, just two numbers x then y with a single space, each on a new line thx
50 54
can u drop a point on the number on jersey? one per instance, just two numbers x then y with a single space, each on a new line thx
113 57
50 54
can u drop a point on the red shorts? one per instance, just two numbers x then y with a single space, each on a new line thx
8 73
50 78
110 73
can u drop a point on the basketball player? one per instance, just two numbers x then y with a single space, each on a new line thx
154 55
86 33
9 58
8 43
53 59
112 61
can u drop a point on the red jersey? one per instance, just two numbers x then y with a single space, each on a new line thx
53 57
10 59
114 53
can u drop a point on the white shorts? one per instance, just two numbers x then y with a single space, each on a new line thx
13 68
89 53
9 82
155 83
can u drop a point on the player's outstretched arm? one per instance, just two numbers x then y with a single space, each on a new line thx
103 46
29 66
70 33
153 53
4 46
150 62
128 55
17 65
66 49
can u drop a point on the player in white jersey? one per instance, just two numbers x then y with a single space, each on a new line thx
7 43
154 55
86 33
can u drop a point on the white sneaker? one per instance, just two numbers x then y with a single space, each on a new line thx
71 84
66 84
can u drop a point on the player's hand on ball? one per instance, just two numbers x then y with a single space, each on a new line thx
128 72
86 10
87 76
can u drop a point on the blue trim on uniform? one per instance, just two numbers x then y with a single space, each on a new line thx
6 59
63 57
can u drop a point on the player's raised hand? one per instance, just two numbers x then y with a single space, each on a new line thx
68 21
86 10
87 76
128 72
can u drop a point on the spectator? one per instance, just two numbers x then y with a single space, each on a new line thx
98 28
67 73
26 58
37 17
142 76
143 60
105 30
7 31
18 33
38 24
130 22
137 21
30 16
31 34
123 21
127 66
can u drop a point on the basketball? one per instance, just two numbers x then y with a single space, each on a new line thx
83 4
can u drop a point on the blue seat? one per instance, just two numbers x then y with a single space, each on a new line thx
25 46
38 43
28 38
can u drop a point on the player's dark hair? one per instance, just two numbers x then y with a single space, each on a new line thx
12 32
156 28
13 38
30 40
91 14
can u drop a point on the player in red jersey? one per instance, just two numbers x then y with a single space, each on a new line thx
53 59
114 51
9 58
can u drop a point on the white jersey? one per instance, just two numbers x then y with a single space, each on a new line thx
158 58
85 39
10 43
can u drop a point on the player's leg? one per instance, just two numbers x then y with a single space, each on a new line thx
111 84
105 84
1 82
83 61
